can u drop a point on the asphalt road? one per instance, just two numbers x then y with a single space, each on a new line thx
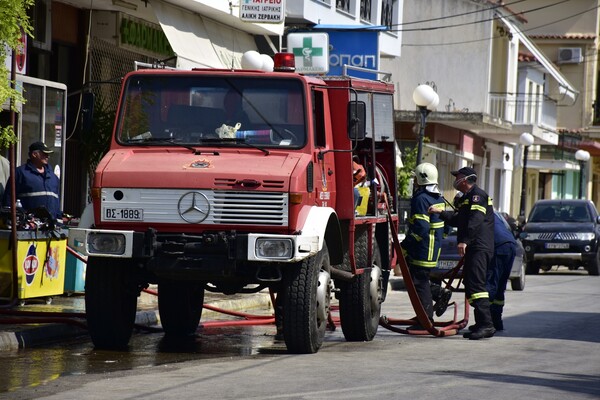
549 350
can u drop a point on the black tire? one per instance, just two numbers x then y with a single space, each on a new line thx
532 268
518 283
360 300
306 302
592 267
110 301
180 307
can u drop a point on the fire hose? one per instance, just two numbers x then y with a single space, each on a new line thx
438 329
19 317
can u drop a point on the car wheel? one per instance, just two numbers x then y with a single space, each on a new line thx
533 268
518 283
592 267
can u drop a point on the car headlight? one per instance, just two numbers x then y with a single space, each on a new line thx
106 243
585 235
274 248
530 236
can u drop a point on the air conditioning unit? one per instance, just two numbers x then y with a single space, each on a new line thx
569 55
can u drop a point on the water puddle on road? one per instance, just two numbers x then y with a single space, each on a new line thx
38 366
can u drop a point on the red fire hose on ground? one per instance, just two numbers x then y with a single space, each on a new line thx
10 316
439 329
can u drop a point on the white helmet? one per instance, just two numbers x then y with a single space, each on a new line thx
426 174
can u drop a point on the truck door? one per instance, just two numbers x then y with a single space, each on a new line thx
324 170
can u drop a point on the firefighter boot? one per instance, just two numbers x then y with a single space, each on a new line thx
483 320
497 320
475 326
441 305
496 312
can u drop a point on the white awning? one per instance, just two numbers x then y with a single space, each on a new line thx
200 42
564 87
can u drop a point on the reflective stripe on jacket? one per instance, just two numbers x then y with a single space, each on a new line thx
36 190
423 240
474 219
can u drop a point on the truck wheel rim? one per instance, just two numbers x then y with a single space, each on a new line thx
375 291
323 296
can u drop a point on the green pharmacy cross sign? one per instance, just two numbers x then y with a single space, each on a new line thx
311 51
307 51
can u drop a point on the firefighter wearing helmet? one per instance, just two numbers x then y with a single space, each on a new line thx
421 247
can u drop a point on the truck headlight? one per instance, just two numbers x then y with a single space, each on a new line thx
106 243
274 248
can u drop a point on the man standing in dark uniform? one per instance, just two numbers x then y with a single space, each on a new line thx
475 241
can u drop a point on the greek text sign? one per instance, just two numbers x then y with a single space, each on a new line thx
264 11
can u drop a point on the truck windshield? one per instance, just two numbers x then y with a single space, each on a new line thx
212 110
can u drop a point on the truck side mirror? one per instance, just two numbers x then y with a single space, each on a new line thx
87 111
357 114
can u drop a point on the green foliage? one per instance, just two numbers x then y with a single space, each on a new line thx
406 173
7 136
13 14
409 160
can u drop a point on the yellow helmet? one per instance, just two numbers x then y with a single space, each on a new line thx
426 174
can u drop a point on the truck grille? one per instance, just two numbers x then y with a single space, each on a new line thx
225 207
264 208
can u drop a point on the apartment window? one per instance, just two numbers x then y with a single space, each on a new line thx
365 10
42 28
387 13
343 5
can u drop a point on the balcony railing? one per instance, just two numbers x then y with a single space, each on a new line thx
521 109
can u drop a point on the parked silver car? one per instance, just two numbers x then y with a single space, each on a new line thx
449 259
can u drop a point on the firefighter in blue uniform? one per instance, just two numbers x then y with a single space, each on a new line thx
36 184
475 241
422 244
499 273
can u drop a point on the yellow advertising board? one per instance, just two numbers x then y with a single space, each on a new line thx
41 263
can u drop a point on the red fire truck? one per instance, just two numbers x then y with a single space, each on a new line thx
236 181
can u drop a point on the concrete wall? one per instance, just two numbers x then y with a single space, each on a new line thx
554 20
457 58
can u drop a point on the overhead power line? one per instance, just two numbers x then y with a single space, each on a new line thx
498 36
432 28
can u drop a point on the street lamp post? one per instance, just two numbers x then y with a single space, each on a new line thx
426 100
526 139
582 156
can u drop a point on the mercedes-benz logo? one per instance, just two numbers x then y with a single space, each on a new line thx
193 207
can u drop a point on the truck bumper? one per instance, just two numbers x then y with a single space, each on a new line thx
243 247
